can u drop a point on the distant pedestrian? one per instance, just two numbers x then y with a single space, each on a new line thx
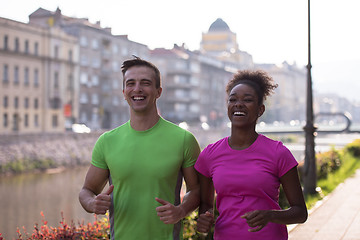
246 170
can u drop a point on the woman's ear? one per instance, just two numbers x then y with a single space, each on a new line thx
261 110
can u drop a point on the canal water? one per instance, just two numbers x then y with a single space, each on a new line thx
25 196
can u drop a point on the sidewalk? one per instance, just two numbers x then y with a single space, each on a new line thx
336 218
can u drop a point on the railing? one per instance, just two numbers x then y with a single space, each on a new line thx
343 128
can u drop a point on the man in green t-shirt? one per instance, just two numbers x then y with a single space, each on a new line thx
144 161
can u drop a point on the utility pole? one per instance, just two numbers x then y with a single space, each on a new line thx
310 161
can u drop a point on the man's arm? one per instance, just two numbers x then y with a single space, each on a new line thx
90 196
171 214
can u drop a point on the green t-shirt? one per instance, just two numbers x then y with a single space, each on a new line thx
144 165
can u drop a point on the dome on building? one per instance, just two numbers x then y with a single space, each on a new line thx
219 25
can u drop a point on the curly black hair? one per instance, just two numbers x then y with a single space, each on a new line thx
259 80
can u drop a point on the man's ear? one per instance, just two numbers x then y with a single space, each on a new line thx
159 91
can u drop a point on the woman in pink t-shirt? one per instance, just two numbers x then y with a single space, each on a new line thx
246 170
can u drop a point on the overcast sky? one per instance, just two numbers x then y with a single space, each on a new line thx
272 31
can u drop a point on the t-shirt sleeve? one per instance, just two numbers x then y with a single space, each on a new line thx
98 158
286 160
201 164
191 150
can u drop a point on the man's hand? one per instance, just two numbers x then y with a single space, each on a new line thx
102 201
169 213
205 222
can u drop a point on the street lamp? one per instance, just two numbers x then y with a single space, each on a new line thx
310 161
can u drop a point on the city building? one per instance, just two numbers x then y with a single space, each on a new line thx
101 103
193 86
38 67
221 43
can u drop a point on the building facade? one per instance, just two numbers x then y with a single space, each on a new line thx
37 68
101 103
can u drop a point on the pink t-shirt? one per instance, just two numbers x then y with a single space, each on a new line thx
246 180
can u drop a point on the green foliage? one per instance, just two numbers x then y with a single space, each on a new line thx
354 148
26 165
327 162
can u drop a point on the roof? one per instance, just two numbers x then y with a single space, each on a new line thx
219 25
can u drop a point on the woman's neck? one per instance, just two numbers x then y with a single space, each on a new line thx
242 139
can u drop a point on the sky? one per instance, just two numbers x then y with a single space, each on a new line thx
272 31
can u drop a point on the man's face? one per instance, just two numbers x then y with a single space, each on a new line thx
139 89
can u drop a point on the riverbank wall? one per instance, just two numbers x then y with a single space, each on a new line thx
61 149
68 148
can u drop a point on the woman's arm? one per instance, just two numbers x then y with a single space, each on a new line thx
206 215
296 213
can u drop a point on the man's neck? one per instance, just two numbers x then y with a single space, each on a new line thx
143 122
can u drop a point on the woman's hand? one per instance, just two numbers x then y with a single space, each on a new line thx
205 222
257 219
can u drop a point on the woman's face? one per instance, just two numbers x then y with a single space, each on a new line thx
243 106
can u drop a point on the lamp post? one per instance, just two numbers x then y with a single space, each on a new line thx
310 162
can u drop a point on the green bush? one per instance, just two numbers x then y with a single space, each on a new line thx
354 148
327 162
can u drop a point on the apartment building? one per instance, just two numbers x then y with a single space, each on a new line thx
38 67
101 53
193 86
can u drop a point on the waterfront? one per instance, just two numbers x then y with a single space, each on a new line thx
24 197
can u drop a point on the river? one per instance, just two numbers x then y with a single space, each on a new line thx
24 197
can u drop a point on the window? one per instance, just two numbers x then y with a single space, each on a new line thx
180 107
70 82
36 77
36 48
26 77
83 98
16 75
116 84
95 80
70 56
6 74
5 120
54 121
83 117
115 48
96 63
17 45
6 101
95 44
56 51
36 103
83 61
83 41
124 51
36 120
26 102
6 42
115 66
115 101
16 102
83 78
26 120
27 46
94 99
56 80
